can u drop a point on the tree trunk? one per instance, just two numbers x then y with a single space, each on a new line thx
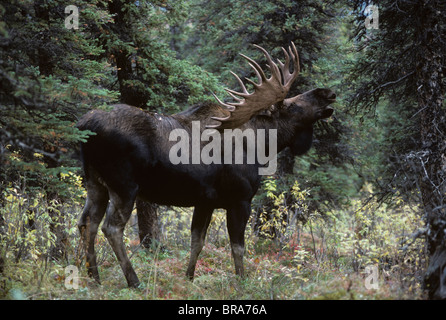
2 225
432 179
147 212
45 59
130 93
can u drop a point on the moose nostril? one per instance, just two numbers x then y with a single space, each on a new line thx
332 96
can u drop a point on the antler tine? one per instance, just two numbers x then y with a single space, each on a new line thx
286 65
240 82
295 56
257 74
271 65
267 92
240 94
256 67
234 96
229 106
289 77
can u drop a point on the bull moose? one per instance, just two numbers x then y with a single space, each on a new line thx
130 156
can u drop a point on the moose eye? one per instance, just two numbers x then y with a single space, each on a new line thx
296 109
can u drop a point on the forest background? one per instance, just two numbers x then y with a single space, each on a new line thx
361 216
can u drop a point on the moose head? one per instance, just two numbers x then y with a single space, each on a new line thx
269 92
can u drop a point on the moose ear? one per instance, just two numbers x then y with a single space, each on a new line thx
269 111
302 141
278 105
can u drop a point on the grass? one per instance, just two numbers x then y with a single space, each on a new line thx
324 259
162 277
311 266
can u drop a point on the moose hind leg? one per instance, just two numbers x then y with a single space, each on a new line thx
237 218
94 210
200 223
118 213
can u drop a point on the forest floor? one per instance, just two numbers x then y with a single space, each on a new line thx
307 266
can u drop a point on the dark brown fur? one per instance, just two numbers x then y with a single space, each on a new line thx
128 157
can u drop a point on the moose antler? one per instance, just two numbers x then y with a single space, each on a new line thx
266 93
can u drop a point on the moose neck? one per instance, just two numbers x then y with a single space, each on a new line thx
290 131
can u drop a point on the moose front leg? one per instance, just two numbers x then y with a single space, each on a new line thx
237 218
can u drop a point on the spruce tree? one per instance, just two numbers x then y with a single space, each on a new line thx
403 66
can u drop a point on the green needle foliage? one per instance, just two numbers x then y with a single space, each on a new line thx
370 191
